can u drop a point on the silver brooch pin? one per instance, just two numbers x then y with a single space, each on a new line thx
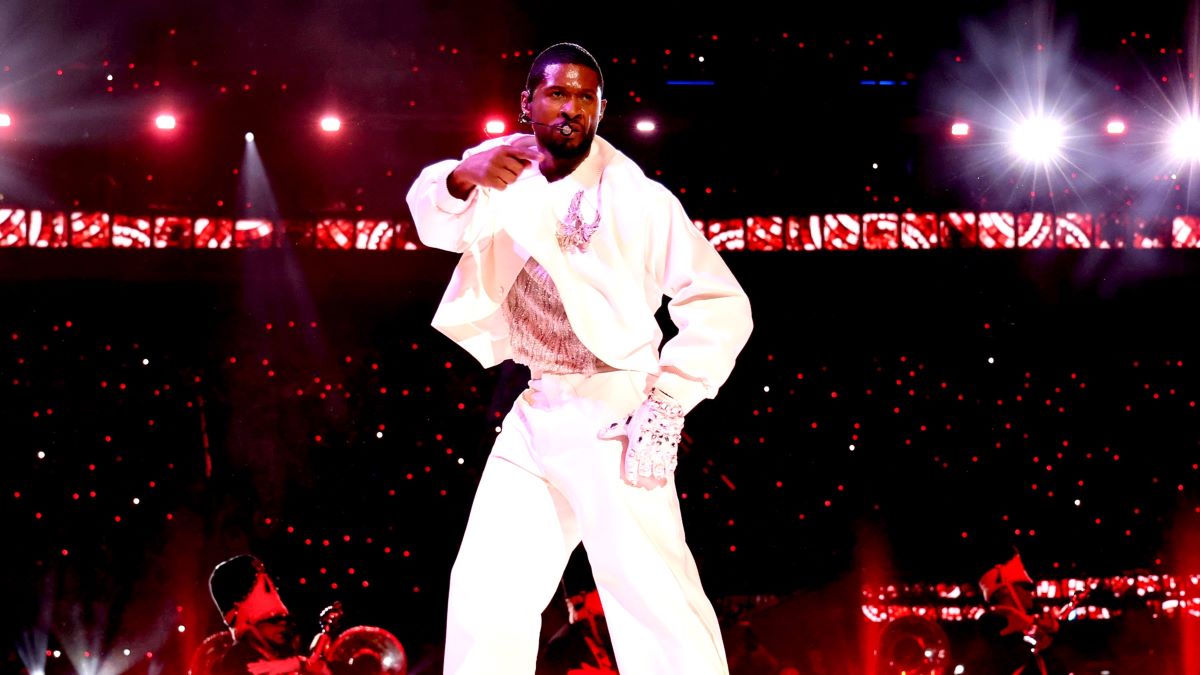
574 234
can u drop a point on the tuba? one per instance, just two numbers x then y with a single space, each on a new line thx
361 650
367 650
913 644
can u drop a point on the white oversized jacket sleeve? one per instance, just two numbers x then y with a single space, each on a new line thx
706 304
442 220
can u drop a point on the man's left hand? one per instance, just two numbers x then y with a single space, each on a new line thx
652 433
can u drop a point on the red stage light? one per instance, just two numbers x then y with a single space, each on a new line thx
494 127
165 121
960 129
331 124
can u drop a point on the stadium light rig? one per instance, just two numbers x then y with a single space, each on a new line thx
1185 140
1038 139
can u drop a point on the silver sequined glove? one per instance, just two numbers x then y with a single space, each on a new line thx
653 431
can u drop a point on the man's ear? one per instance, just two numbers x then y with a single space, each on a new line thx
526 114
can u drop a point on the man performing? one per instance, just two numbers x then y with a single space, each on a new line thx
265 640
1016 633
568 250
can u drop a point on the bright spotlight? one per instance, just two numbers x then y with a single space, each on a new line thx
5 120
1185 140
1038 139
960 129
249 136
645 126
165 122
330 124
1115 127
494 127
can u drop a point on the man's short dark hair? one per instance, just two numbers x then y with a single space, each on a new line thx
232 580
561 53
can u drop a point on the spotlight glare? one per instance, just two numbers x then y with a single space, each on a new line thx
646 126
960 129
166 122
5 120
249 136
1115 127
330 124
494 127
1185 140
1038 139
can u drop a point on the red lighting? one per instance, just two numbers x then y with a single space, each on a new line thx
5 120
495 127
1115 127
331 124
960 129
165 121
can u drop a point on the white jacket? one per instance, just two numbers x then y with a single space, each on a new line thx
645 247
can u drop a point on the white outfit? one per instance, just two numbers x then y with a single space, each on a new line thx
551 481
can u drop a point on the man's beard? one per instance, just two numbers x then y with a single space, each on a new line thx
560 151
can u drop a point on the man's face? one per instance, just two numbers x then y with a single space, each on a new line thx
1018 595
568 95
278 633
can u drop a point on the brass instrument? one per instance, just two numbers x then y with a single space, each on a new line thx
367 650
913 644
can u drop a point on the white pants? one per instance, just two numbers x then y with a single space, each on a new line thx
549 484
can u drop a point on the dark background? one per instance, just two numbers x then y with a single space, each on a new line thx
949 465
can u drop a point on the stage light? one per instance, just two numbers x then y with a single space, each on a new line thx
330 124
5 120
1038 139
1115 127
1185 140
960 129
249 136
494 127
165 122
645 126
